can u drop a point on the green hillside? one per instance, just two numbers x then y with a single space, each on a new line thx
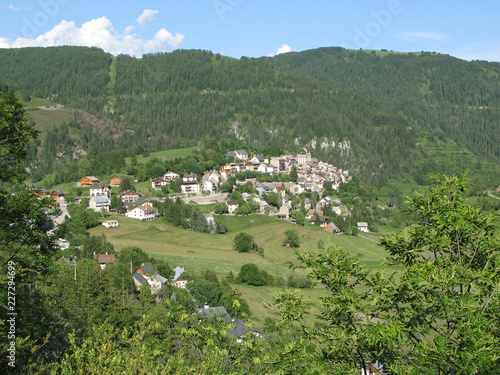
367 112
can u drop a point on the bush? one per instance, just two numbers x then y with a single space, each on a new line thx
244 243
291 238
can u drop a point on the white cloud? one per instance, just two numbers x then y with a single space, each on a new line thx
147 15
427 35
283 49
12 7
99 32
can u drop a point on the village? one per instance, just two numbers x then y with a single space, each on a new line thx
311 176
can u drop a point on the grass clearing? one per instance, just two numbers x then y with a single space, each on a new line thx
46 118
165 154
197 251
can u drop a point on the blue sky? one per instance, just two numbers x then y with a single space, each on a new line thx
254 28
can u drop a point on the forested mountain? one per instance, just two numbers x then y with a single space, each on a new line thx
438 91
361 111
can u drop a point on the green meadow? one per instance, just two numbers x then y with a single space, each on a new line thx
197 251
165 154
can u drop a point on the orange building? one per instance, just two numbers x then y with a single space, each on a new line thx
115 181
89 181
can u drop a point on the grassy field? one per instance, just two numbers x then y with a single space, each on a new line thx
197 251
166 154
44 118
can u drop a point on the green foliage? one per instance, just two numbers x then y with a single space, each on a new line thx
251 274
438 312
135 255
207 292
299 217
15 133
293 174
244 243
221 208
291 238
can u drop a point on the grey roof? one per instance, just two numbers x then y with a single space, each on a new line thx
242 152
239 329
178 271
101 199
218 312
160 278
146 269
230 153
141 279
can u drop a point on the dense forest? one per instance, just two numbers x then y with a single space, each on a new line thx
437 91
373 114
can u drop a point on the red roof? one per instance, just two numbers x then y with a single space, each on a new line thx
105 258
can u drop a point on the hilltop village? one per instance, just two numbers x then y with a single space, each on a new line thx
302 194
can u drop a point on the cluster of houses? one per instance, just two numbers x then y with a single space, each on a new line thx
146 276
312 173
100 200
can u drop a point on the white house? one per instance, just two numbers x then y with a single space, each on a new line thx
232 206
170 176
129 196
100 203
96 190
266 169
190 184
362 226
211 181
240 154
157 183
110 223
145 212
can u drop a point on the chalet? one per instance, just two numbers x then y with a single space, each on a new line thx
251 165
115 181
362 226
280 190
260 159
146 212
373 369
179 279
110 223
170 176
211 181
232 206
157 183
190 178
32 187
139 280
129 196
331 228
266 169
323 221
57 194
297 189
96 190
42 192
104 259
240 154
100 203
145 270
190 187
284 212
89 181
